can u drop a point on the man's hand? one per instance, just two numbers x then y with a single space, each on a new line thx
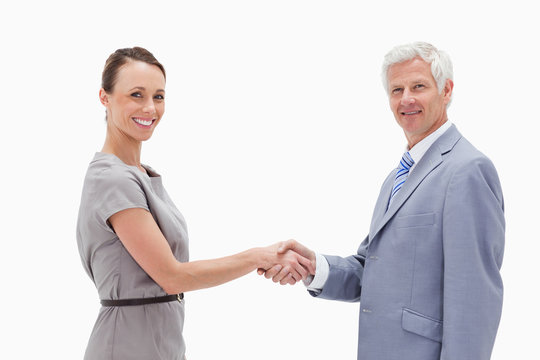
283 275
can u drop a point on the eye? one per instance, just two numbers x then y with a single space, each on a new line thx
136 94
419 86
159 97
396 90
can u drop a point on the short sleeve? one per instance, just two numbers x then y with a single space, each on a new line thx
117 189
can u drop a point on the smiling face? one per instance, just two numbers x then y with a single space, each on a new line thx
417 104
137 101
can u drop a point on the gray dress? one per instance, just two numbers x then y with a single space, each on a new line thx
130 332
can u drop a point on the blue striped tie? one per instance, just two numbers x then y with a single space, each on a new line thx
401 175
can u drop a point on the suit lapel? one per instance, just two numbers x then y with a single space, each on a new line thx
431 159
382 202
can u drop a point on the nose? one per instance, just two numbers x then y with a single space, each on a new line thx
407 98
149 107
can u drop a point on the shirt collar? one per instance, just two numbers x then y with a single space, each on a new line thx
418 150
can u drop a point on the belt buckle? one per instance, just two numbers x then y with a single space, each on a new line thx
178 298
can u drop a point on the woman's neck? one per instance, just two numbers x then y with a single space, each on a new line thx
127 150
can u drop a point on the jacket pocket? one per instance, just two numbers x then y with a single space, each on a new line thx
422 325
415 220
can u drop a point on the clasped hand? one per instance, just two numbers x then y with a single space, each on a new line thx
294 262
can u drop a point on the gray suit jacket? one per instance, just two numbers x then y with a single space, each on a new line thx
427 276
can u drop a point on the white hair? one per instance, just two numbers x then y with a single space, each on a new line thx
441 65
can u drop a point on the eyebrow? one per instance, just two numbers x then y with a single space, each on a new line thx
144 89
400 84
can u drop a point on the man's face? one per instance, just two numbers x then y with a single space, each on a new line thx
417 105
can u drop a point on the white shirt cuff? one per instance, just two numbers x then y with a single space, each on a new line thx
322 269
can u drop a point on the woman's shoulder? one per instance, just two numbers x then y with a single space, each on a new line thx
107 169
111 186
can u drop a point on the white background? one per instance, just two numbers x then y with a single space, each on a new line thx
277 126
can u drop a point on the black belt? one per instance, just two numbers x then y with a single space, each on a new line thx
143 301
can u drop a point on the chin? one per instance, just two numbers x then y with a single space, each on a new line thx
408 126
145 137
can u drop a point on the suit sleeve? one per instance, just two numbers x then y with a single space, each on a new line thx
345 277
473 245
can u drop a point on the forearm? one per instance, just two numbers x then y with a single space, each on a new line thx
344 279
344 276
182 277
201 274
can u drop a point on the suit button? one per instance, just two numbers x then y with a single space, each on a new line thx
364 310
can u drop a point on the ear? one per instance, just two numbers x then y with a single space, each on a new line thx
103 97
447 91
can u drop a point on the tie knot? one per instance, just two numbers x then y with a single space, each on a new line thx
406 161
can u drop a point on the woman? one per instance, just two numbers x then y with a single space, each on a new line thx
132 240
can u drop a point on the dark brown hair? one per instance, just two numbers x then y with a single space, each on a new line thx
119 58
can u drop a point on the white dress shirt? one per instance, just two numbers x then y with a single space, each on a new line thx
316 283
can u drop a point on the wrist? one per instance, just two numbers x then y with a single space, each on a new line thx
258 258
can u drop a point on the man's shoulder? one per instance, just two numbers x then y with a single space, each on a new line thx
465 161
466 154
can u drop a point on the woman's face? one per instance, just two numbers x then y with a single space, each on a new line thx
137 101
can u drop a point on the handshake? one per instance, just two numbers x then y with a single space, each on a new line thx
288 262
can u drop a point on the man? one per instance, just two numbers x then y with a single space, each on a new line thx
427 275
